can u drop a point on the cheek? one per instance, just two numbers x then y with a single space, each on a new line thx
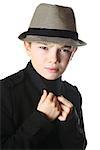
65 62
37 58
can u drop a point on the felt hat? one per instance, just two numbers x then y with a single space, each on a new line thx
53 23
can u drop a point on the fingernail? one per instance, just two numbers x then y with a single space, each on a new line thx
44 90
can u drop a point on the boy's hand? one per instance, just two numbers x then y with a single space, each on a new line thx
66 108
49 105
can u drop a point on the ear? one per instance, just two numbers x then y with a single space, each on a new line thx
73 52
28 48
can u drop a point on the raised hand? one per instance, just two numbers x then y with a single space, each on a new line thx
49 105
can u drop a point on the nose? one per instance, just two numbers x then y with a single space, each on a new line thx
53 55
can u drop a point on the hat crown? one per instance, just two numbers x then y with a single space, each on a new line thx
53 17
53 23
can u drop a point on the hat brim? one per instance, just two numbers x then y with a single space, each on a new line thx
68 41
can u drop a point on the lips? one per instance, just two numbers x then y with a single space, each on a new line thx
52 69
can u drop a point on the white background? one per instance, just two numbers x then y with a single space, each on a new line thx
84 69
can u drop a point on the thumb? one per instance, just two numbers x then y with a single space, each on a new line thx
43 97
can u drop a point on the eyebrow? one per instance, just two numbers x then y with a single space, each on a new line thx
42 42
66 46
46 43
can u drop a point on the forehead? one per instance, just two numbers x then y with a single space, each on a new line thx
50 44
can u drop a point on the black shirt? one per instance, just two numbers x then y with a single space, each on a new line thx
24 127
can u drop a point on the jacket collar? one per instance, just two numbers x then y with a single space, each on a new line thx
41 83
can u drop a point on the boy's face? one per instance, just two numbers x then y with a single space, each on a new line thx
49 59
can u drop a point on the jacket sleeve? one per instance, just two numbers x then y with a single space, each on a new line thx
30 131
72 134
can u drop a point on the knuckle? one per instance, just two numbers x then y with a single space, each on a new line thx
50 94
70 105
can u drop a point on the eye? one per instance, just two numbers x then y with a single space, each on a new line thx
43 47
65 50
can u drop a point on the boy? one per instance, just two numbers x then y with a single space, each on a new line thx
39 110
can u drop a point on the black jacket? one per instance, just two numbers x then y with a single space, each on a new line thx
23 127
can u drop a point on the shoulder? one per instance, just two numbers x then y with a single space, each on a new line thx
13 80
70 87
73 92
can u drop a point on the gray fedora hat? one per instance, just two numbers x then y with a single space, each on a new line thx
53 23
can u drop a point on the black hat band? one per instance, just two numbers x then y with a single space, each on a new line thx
53 33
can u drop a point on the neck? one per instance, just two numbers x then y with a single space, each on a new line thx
49 85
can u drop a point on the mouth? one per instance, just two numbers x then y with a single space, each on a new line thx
52 69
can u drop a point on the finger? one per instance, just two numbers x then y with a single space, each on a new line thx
54 99
65 101
58 106
56 103
50 96
65 109
43 97
62 116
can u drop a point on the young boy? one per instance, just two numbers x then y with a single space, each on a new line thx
38 109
